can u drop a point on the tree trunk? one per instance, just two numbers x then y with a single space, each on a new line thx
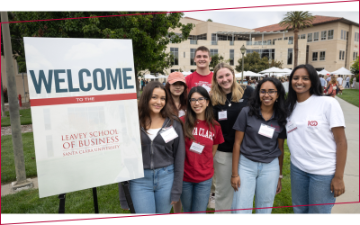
2 101
296 47
13 104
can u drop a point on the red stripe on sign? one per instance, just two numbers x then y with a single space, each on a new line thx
81 99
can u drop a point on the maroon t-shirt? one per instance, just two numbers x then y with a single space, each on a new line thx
199 167
196 79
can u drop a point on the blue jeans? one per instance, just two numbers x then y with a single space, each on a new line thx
259 179
308 189
152 193
195 196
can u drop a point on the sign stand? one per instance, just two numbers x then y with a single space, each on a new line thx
125 186
62 203
96 206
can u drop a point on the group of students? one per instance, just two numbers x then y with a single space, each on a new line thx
207 122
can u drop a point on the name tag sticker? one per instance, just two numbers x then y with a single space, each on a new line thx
197 148
169 134
223 115
206 87
290 127
266 131
181 113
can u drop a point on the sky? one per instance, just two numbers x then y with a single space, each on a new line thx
255 19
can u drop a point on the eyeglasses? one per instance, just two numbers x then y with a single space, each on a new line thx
194 100
271 92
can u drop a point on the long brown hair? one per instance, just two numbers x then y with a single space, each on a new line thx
143 107
190 118
183 99
333 80
217 95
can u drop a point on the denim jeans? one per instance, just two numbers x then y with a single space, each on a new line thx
152 193
195 196
259 179
308 189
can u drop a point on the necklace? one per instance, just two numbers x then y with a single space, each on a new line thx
229 102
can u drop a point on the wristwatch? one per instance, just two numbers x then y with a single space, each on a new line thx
281 176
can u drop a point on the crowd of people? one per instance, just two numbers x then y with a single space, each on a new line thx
206 136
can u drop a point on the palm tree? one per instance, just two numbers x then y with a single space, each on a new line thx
297 20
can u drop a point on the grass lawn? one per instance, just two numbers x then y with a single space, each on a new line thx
7 157
25 118
351 96
81 201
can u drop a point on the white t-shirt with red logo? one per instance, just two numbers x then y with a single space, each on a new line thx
196 79
200 167
312 144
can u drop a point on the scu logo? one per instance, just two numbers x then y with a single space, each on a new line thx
313 123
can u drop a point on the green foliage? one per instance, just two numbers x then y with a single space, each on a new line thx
7 157
209 20
216 59
355 68
253 62
150 34
275 63
25 118
297 20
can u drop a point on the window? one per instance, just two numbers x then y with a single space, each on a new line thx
322 55
309 39
174 70
341 55
323 35
213 52
175 53
285 38
330 34
184 54
213 39
342 35
192 56
279 39
315 56
274 41
303 36
355 55
290 56
316 36
291 40
357 36
231 57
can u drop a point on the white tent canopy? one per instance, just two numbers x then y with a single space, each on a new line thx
342 71
149 76
185 73
248 74
324 72
161 76
273 70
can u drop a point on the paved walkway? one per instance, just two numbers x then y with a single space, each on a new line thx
351 176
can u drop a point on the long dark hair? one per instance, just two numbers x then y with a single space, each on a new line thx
315 88
279 106
190 119
144 111
183 99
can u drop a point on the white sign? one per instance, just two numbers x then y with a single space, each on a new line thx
84 112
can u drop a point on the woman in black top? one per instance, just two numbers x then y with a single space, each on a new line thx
228 98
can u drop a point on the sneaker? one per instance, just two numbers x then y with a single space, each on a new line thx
211 203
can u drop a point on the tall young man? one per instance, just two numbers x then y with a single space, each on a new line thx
202 76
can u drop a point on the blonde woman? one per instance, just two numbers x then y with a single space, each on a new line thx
332 87
228 98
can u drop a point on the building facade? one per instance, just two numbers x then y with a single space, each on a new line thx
330 43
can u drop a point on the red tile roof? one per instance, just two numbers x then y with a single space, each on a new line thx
316 21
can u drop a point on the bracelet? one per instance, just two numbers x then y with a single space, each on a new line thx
281 176
234 176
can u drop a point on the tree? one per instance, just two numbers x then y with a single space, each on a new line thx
355 66
216 59
297 20
254 63
150 33
275 63
209 20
